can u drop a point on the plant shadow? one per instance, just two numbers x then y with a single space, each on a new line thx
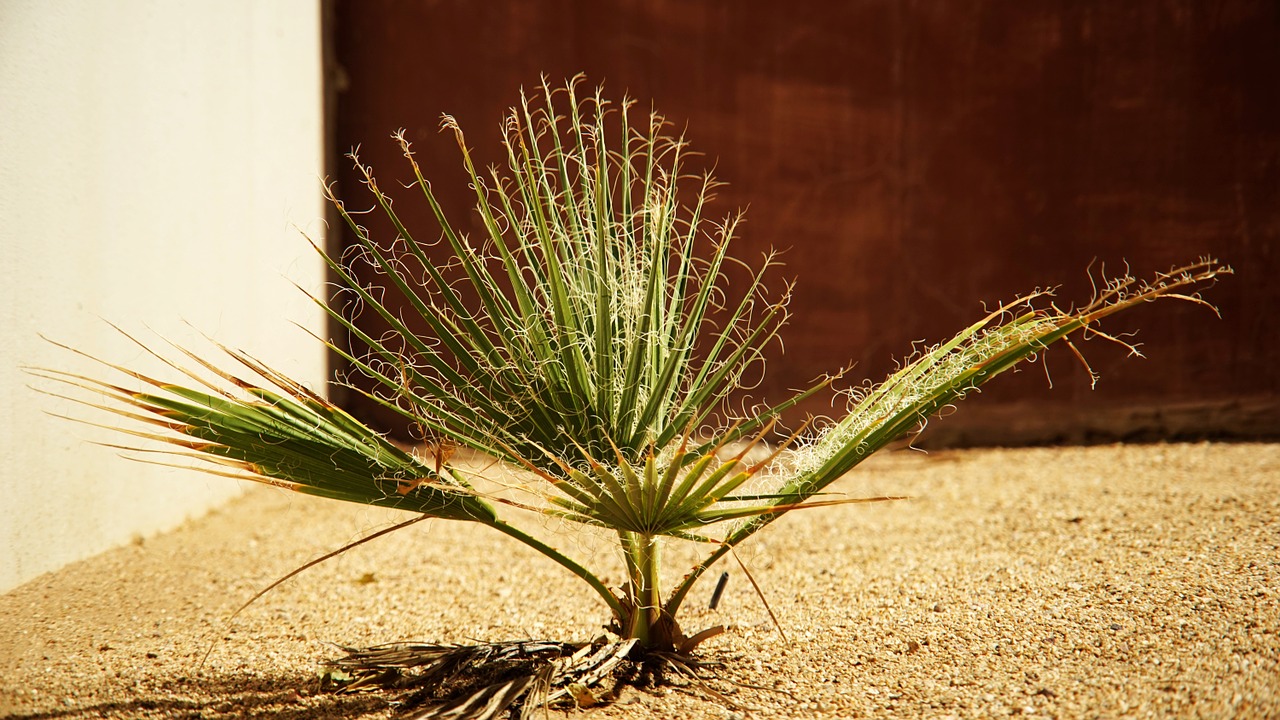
273 697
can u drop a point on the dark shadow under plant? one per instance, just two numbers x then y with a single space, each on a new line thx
589 340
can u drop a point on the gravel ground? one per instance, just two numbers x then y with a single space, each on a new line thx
1121 581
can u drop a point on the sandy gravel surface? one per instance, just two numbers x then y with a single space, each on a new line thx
1124 581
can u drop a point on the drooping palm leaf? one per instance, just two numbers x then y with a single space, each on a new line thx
283 435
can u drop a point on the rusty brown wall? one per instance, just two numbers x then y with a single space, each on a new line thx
916 159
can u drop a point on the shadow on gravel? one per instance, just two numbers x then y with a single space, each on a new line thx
205 697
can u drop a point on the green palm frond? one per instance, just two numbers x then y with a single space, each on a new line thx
277 432
596 283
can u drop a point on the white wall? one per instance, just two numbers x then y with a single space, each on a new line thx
154 159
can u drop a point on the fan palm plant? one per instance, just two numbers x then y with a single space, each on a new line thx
589 340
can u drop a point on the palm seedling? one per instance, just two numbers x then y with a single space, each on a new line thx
589 340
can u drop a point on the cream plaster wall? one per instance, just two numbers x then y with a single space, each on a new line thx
155 158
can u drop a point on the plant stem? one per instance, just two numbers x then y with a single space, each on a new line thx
646 589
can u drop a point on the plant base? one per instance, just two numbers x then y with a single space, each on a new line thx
478 682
